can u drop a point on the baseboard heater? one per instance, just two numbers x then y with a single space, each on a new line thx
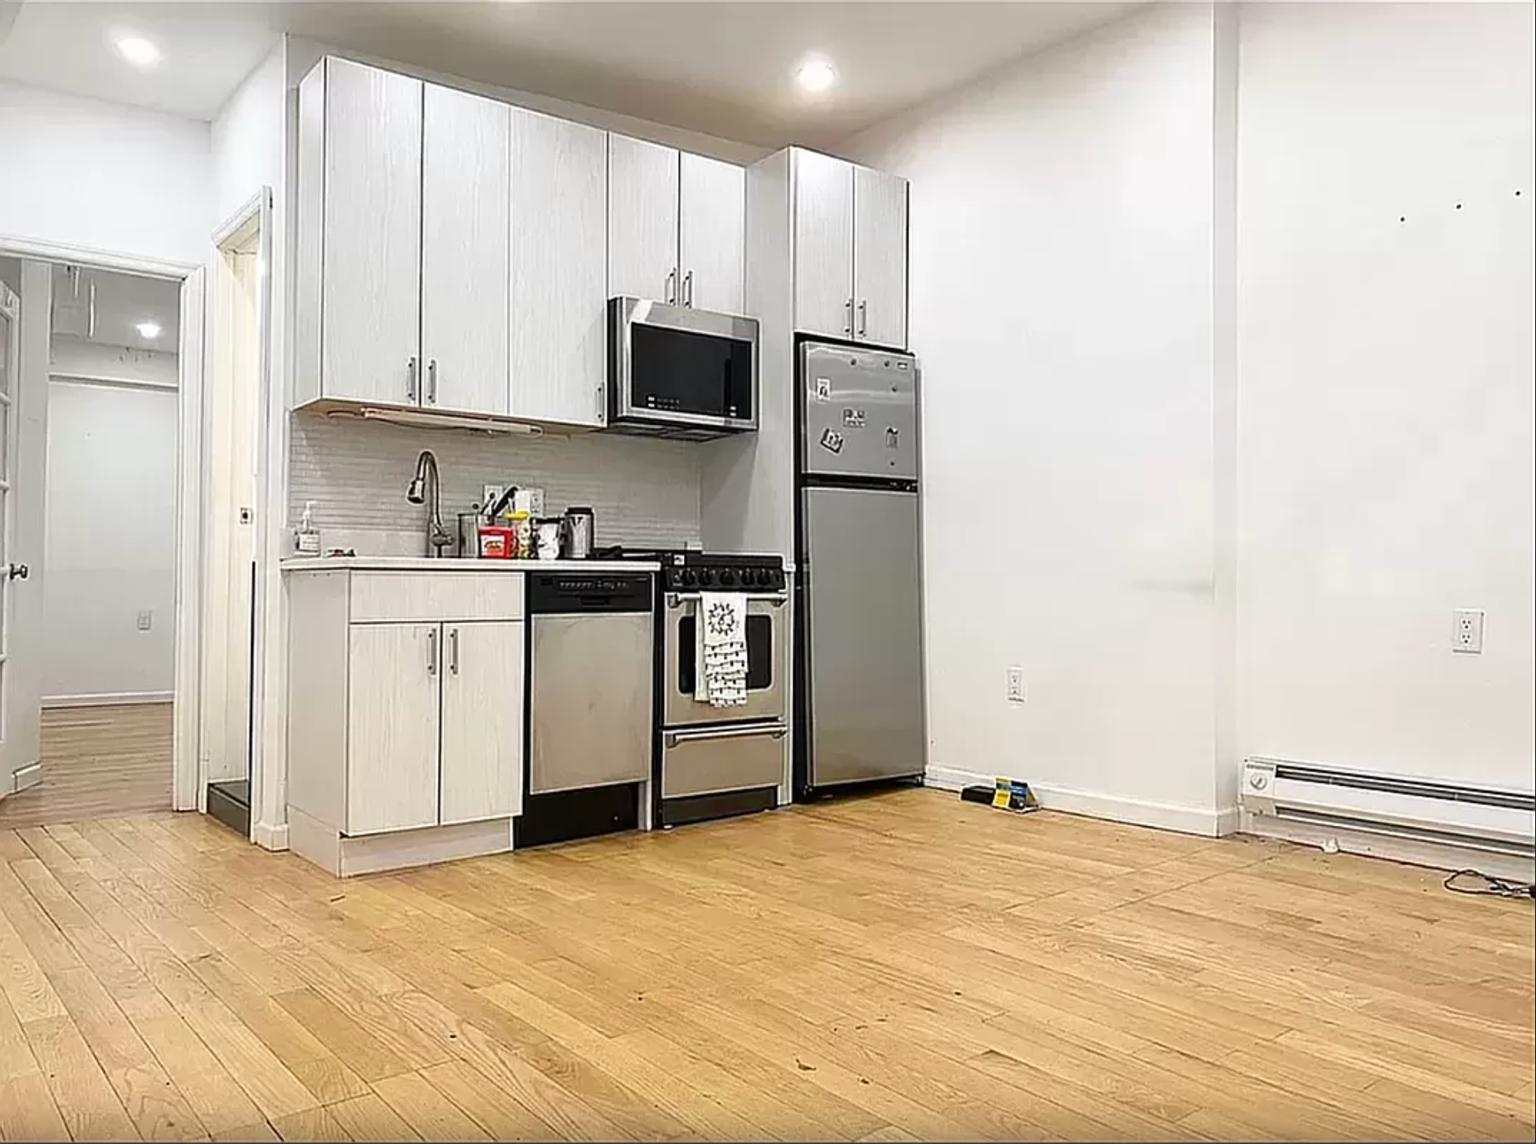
1474 818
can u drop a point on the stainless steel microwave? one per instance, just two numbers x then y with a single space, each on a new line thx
674 371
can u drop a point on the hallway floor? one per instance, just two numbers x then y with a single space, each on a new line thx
97 762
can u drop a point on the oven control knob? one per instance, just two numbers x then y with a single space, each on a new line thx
727 576
688 578
706 576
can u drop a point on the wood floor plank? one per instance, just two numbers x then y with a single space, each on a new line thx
85 1099
369 1118
431 1115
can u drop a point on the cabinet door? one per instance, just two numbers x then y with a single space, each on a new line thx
372 261
482 721
642 219
880 257
823 245
392 726
559 270
713 242
465 180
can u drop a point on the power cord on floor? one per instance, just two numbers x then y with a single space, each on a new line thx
1490 886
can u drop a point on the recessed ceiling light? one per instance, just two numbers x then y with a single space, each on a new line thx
150 330
138 51
816 75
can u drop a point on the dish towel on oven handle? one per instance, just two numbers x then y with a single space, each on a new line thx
721 651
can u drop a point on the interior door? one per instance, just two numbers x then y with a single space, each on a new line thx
465 180
559 270
880 257
823 245
10 370
392 726
864 635
642 219
482 721
713 234
372 258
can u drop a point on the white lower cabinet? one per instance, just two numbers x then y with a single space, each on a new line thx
482 722
405 716
392 727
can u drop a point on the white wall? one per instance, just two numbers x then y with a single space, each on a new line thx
111 540
1386 385
101 175
1061 282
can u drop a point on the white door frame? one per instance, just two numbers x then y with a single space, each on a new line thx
255 211
189 482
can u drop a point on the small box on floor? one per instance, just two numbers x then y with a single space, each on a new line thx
1007 794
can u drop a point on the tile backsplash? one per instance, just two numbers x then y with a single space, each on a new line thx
643 491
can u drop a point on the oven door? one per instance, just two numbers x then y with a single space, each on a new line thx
674 365
767 662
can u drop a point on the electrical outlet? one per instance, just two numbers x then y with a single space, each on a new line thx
146 620
1467 630
1015 685
489 495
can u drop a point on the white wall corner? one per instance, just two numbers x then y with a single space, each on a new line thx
269 836
1159 815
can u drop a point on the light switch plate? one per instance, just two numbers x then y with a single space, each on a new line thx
1467 630
1015 685
146 620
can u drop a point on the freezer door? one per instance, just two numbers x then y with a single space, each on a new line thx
860 412
864 671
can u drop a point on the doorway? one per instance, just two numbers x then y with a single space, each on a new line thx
237 379
100 383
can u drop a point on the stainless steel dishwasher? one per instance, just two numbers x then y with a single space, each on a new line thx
591 652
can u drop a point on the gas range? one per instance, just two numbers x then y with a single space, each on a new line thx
712 761
690 570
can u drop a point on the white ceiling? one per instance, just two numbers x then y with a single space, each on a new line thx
722 68
122 301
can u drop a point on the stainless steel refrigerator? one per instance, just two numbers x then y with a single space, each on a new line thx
859 669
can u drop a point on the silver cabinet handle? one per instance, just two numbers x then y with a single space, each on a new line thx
863 317
410 378
671 287
453 651
775 731
432 652
688 289
431 381
848 321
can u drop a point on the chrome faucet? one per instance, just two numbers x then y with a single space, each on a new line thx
416 492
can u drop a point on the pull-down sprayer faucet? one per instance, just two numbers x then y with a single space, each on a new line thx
416 492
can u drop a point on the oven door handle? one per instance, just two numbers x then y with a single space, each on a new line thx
673 738
674 599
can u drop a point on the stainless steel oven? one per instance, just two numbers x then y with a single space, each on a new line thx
767 661
674 371
715 761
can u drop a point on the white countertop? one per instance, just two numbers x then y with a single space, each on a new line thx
457 564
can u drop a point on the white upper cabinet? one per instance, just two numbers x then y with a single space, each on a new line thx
559 270
677 226
850 264
369 224
465 188
642 219
879 257
712 240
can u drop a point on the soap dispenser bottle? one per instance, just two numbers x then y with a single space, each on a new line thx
306 538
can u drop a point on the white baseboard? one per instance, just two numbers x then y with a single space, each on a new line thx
270 837
1162 815
1436 855
28 776
109 699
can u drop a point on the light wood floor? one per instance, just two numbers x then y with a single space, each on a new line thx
880 968
97 761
